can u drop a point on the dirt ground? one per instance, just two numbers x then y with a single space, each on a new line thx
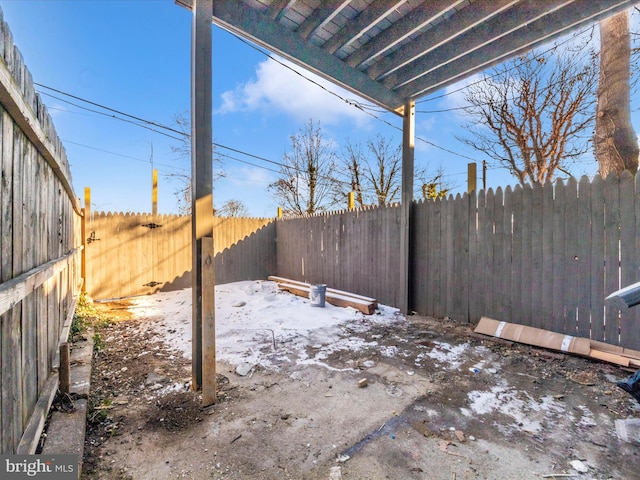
499 411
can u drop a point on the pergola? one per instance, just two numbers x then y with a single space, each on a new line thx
390 52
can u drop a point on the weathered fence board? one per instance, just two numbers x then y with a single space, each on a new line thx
598 292
583 259
611 255
629 265
39 224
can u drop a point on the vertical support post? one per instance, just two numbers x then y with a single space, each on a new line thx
201 194
154 192
279 212
86 214
472 175
208 324
484 175
64 371
408 147
351 200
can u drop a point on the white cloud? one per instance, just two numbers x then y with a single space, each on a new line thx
277 89
455 93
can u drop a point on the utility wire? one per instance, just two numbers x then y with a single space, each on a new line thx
116 117
122 155
110 109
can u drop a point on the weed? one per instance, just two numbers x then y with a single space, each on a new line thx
86 315
99 413
98 344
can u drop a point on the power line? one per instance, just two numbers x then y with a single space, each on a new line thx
116 117
110 109
122 155
353 103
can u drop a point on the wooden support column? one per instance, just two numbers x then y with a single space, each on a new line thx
203 310
154 193
408 143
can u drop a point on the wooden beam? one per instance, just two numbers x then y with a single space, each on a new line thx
14 290
259 28
201 176
289 281
567 19
438 35
335 297
408 147
411 23
208 324
363 22
327 10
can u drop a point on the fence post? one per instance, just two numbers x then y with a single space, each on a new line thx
64 370
472 175
154 193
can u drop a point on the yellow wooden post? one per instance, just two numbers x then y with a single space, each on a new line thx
279 212
472 175
154 192
351 200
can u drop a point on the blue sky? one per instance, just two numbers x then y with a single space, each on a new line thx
134 56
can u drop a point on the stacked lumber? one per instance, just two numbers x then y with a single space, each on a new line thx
585 347
339 298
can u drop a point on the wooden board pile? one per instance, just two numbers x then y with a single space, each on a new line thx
335 297
586 347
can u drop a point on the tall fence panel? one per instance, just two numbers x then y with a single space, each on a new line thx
357 251
40 241
138 254
542 256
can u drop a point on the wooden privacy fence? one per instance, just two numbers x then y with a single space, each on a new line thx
357 251
138 254
545 257
40 222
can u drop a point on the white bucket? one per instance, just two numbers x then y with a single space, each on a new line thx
317 295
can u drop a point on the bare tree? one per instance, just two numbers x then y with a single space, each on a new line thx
384 173
182 151
534 114
231 208
351 167
374 175
615 142
306 182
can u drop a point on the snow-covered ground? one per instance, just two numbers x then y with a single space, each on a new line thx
256 323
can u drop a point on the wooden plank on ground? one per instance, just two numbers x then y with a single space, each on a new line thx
336 299
276 279
609 357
